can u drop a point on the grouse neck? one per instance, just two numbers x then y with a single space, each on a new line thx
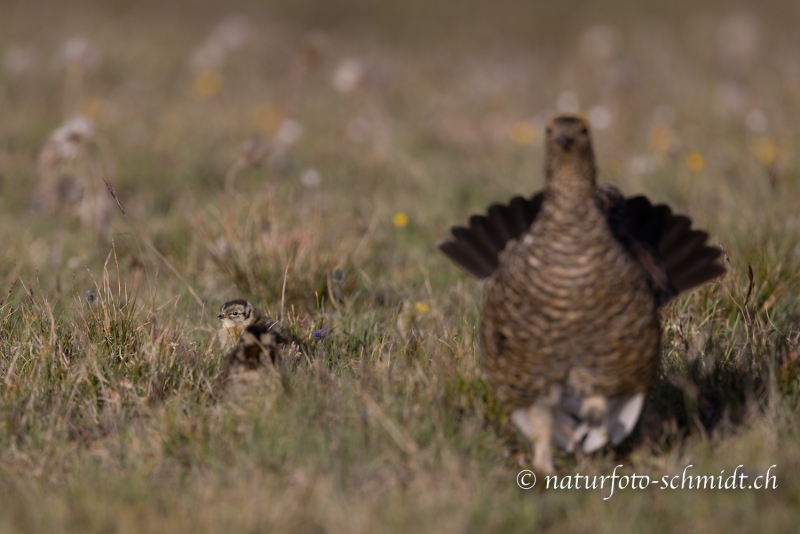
570 189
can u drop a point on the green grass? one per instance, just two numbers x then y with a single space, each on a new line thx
111 414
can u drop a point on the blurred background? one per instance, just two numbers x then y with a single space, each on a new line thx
430 109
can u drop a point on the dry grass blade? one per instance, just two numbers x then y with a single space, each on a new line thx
403 440
750 284
114 196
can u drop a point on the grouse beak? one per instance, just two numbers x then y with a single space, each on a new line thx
564 141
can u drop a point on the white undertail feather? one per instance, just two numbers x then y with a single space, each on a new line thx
588 423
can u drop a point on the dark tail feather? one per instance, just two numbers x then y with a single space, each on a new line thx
683 253
709 272
483 234
469 243
684 250
524 212
674 228
476 249
463 256
701 256
698 269
646 221
497 217
687 258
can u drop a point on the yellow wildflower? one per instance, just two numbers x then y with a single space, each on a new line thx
207 83
92 108
268 117
400 219
695 161
661 138
522 133
764 150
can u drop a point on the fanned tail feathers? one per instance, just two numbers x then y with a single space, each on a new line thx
684 254
675 257
476 248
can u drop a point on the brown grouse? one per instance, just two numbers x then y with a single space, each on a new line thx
574 277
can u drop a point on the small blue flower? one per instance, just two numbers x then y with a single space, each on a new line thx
319 333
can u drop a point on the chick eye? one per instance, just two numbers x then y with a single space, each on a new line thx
234 313
584 131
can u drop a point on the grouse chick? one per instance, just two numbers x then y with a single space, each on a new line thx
237 315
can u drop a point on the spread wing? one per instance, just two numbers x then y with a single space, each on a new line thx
675 257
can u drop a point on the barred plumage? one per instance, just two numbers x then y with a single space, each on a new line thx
574 277
257 349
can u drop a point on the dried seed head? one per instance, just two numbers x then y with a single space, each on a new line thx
230 35
311 178
91 297
68 142
80 53
254 150
338 275
348 75
289 132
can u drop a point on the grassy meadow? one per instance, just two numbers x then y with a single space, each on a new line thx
157 161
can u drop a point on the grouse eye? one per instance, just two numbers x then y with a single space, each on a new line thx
584 131
548 130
